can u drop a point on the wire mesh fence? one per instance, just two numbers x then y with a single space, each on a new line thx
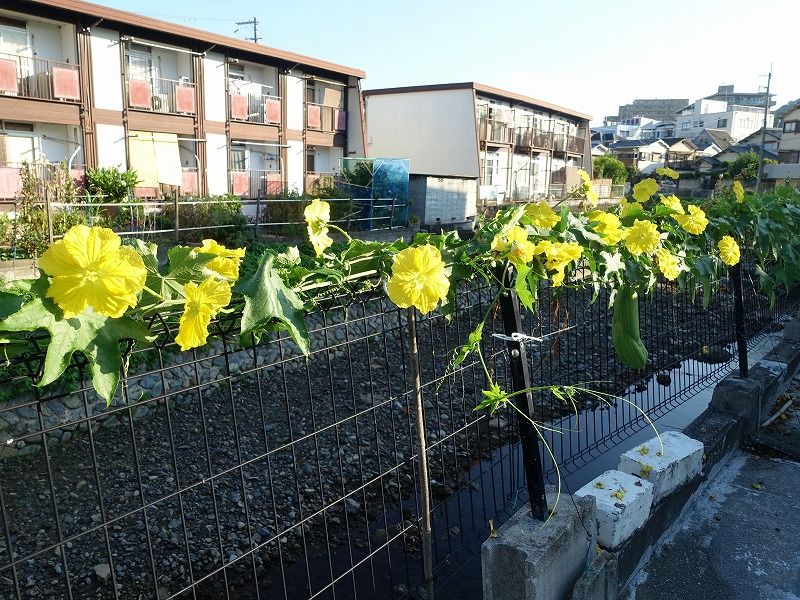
254 472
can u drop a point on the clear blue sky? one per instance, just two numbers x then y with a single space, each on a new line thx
590 55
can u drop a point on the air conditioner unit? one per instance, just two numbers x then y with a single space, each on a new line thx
160 103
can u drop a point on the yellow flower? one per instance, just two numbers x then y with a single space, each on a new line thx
591 195
728 250
668 263
608 226
667 172
695 222
203 302
317 215
642 237
90 267
643 190
673 202
418 278
626 208
226 264
558 256
541 215
515 244
584 175
738 191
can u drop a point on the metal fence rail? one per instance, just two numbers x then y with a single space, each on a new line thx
235 472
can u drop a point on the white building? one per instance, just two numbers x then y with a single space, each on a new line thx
470 143
625 129
737 121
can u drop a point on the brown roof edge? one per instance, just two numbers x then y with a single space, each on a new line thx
136 20
483 89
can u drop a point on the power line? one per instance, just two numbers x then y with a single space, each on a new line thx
254 23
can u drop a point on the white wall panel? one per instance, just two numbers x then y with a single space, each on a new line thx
111 146
295 157
217 163
106 69
214 86
295 98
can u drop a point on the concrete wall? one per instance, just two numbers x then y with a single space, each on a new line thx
295 101
53 41
355 126
295 166
106 71
111 146
214 86
435 130
217 163
443 200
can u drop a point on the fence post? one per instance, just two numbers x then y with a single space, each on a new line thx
258 215
49 211
735 274
422 449
176 204
521 380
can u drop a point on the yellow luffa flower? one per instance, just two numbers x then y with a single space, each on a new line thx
226 264
695 222
203 302
644 190
90 267
584 175
673 202
418 278
514 243
642 237
541 215
738 191
608 226
558 255
728 250
668 264
667 172
317 215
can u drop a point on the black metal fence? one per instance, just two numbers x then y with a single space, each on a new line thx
233 472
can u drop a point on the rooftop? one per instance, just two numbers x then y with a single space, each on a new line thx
197 39
486 90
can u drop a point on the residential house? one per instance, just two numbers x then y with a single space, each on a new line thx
644 155
470 144
599 149
625 129
658 130
710 142
190 111
681 153
772 138
702 178
788 167
732 152
737 121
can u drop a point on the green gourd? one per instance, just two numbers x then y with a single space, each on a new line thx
625 329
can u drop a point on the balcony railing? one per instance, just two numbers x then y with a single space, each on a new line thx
575 144
680 163
190 181
39 78
528 137
252 183
492 130
328 119
156 94
250 102
316 181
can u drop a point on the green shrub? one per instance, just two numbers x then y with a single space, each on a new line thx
114 185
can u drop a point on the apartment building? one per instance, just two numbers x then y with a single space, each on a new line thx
658 109
190 111
737 121
471 144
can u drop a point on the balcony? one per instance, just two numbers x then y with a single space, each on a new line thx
528 137
39 78
155 94
680 163
495 131
252 183
250 102
559 142
575 145
324 118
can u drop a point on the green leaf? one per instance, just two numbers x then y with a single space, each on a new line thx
473 344
270 304
185 265
94 335
521 285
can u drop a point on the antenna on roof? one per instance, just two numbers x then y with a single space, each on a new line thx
254 23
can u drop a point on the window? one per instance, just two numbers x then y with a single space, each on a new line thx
140 62
686 125
722 123
15 40
238 158
791 127
789 157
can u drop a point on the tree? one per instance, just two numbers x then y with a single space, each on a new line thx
746 166
608 167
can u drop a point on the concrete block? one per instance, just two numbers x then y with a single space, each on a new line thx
791 331
740 398
623 504
787 353
600 580
680 461
531 560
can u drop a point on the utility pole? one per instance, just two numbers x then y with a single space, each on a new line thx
254 23
763 134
